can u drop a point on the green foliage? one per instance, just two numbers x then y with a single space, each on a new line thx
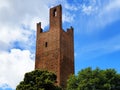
38 80
88 79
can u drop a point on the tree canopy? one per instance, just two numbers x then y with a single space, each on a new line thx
88 79
38 80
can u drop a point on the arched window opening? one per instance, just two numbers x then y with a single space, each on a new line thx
55 13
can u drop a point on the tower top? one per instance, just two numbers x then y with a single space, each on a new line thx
56 17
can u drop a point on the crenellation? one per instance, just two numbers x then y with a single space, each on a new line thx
39 29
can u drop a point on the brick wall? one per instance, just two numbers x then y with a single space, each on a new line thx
55 48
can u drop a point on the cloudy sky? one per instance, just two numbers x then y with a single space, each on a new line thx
96 34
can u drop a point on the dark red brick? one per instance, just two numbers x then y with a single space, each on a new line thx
55 48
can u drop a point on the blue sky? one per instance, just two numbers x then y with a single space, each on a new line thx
96 34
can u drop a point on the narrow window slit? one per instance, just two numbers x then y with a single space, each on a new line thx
46 44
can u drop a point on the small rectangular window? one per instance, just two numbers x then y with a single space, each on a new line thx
46 44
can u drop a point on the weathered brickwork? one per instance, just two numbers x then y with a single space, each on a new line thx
55 48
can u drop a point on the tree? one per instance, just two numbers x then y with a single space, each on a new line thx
38 80
88 79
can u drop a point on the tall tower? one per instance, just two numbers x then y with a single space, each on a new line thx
55 48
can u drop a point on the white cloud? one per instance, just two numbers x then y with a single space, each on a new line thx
93 15
103 15
13 65
113 5
18 12
87 9
10 34
67 17
71 7
109 13
4 3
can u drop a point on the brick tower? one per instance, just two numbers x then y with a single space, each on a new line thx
55 48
